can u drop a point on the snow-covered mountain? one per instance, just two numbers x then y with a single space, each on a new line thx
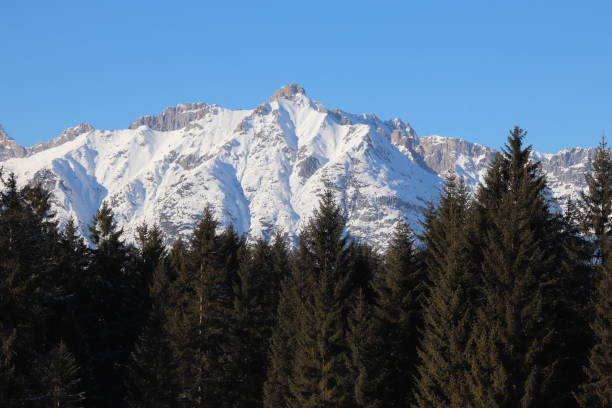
260 169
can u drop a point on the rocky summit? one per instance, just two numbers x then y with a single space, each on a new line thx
261 170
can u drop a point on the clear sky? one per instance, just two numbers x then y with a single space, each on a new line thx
469 69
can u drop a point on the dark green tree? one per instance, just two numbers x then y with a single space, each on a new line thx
200 315
27 247
321 358
512 358
59 380
447 312
367 355
153 377
107 314
252 322
596 391
283 340
398 292
597 203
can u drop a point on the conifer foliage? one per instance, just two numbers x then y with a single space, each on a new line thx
319 376
596 392
448 310
513 333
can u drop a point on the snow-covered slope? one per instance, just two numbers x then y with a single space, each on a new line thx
260 169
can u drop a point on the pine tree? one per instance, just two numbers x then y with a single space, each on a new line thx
321 359
199 322
367 355
107 314
596 391
71 263
152 251
281 268
398 289
443 365
59 379
27 245
512 362
253 319
153 379
283 341
574 285
597 202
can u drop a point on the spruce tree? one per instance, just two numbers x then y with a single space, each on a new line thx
107 314
153 378
398 292
572 294
59 380
198 323
368 354
512 359
597 203
283 340
321 358
27 246
596 391
252 322
447 312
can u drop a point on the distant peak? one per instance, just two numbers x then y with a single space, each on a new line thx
175 117
3 135
72 132
9 147
288 91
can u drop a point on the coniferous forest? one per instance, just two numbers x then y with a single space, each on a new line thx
499 300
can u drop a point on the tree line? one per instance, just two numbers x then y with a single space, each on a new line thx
500 301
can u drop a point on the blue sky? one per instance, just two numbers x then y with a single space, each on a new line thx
469 69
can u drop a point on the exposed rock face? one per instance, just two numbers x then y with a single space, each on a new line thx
468 160
261 170
176 117
288 92
64 137
9 147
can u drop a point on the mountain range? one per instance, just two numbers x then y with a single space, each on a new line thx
261 170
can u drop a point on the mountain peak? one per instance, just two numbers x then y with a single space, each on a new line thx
175 117
288 91
72 132
67 135
3 135
9 147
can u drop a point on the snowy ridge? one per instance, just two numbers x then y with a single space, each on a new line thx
261 170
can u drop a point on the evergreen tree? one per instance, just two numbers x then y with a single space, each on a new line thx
321 359
199 321
596 391
281 268
283 340
570 306
367 355
443 365
60 382
253 319
153 371
398 289
152 251
107 314
27 246
597 202
511 356
71 263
